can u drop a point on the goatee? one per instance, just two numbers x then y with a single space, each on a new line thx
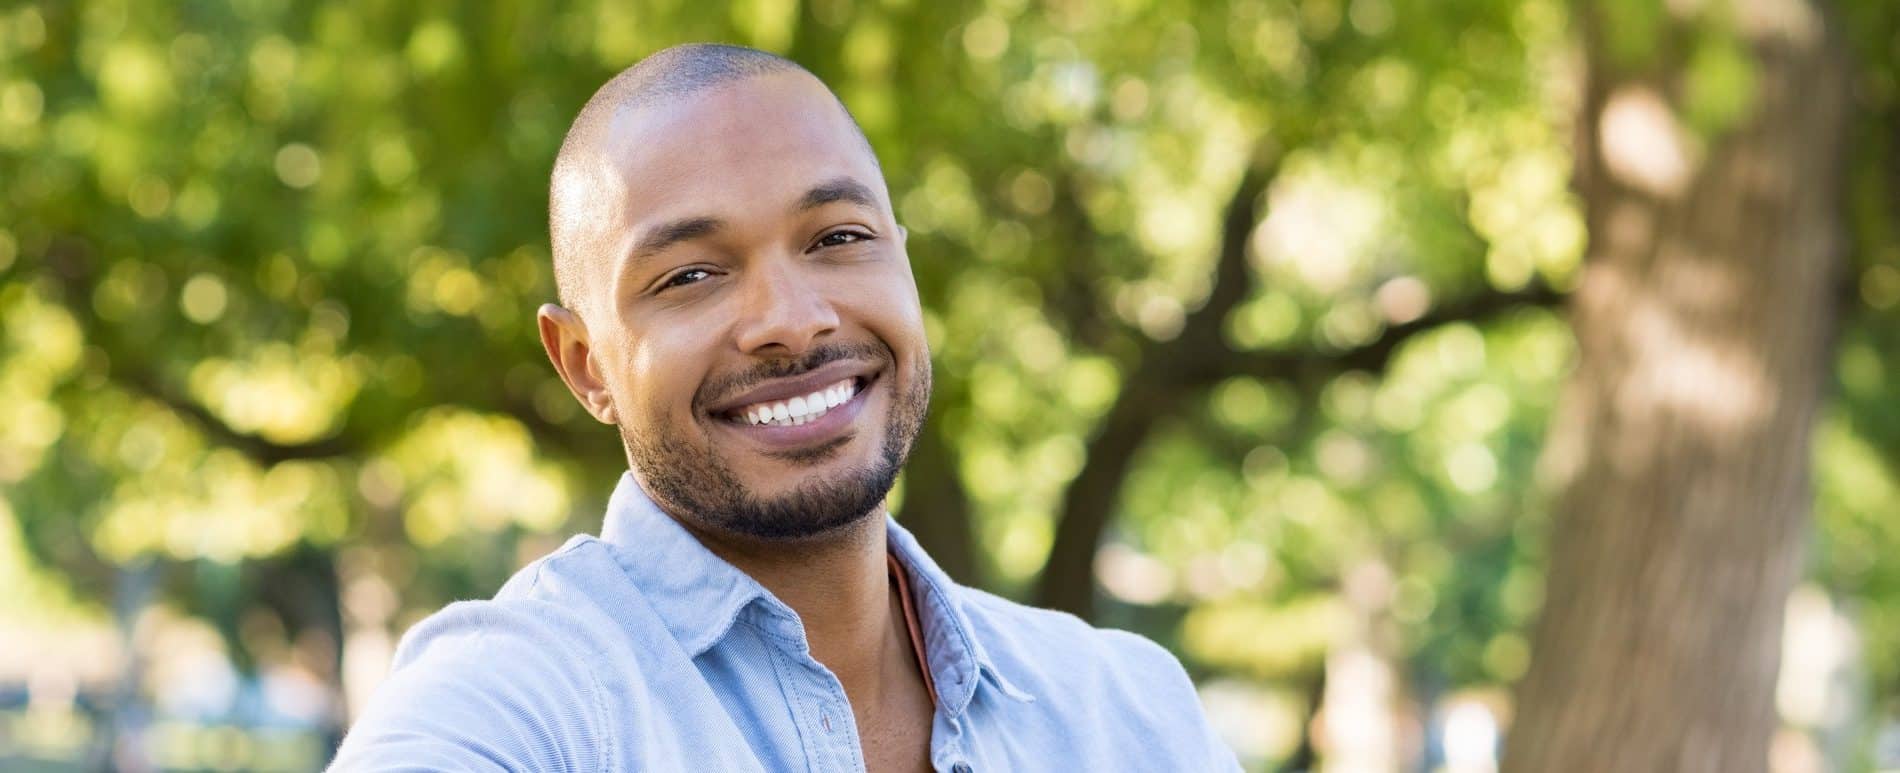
693 483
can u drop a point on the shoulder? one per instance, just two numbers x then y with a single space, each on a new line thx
554 608
510 679
1121 684
1034 637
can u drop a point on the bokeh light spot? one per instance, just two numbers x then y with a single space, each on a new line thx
203 299
298 165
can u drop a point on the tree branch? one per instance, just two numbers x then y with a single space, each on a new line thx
1151 391
70 260
1168 373
1374 355
263 451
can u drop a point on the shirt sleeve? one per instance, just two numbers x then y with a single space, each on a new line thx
480 686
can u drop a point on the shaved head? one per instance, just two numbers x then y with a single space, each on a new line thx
586 185
725 247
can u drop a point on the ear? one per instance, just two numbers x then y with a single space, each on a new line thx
903 234
564 336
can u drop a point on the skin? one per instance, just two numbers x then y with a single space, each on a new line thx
668 335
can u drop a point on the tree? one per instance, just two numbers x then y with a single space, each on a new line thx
1254 297
1710 165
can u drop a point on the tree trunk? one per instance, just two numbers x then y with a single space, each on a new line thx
1156 387
1305 756
1068 579
1704 320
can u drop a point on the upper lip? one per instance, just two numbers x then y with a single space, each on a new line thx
797 386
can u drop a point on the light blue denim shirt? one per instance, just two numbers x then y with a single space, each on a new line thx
641 650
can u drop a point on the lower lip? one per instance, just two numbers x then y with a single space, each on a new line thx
815 431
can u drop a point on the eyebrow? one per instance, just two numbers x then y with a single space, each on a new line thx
665 235
673 232
834 190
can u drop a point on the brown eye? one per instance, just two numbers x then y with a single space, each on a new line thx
839 238
686 277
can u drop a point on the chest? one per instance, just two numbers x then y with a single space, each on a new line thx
752 705
792 714
897 738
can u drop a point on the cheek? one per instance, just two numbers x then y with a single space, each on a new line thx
659 381
888 305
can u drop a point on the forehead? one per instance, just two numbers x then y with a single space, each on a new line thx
735 149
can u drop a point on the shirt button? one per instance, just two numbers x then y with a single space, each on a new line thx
961 767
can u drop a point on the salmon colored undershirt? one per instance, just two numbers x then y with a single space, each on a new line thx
910 623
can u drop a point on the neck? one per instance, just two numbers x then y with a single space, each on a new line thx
840 588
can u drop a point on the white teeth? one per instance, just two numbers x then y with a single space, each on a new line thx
799 410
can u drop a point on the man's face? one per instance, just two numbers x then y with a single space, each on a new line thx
755 319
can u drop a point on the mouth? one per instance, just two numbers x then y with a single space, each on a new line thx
801 410
797 415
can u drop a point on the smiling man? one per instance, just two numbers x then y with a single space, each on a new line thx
736 299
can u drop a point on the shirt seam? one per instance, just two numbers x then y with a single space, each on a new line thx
786 684
737 617
763 631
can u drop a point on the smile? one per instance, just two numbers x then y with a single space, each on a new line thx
796 415
798 410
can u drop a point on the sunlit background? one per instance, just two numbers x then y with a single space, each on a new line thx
1266 296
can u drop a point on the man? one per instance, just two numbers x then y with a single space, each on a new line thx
736 299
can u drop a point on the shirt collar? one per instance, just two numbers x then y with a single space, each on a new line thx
699 595
958 659
696 593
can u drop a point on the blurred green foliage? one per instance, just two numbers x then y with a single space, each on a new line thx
270 270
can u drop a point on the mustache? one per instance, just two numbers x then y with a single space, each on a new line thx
718 387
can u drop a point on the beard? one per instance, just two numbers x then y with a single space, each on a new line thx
692 481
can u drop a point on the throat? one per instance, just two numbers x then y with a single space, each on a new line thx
909 628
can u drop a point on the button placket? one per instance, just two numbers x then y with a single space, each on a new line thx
834 718
810 687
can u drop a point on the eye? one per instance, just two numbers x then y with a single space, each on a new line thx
840 238
683 278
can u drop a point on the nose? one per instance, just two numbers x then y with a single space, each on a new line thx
786 311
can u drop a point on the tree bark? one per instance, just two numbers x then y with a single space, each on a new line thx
1704 320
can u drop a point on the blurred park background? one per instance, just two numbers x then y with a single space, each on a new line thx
1332 343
